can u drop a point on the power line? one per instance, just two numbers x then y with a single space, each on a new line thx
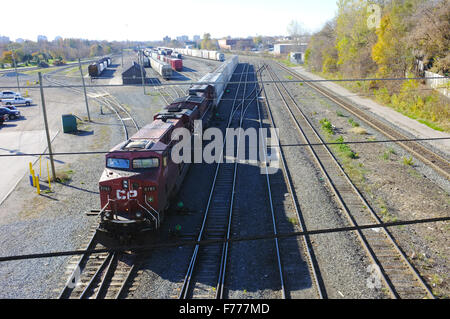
280 145
222 82
142 248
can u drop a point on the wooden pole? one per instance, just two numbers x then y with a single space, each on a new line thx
44 113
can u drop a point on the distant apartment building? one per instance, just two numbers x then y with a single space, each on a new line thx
196 38
41 38
4 39
284 48
183 38
236 44
57 38
20 40
167 39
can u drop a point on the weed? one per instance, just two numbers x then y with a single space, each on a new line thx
344 149
327 126
387 153
353 123
339 113
408 161
64 176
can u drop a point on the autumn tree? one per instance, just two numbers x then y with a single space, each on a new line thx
207 43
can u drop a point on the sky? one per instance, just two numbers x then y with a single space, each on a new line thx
152 20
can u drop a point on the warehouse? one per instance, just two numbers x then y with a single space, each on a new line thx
133 75
284 48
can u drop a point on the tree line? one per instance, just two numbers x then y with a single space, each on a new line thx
410 36
388 39
57 51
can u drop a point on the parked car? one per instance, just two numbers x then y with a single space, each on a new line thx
8 94
14 110
10 114
17 100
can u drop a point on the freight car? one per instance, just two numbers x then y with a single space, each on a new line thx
204 54
140 178
162 68
176 64
96 68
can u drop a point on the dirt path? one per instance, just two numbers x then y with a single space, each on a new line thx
414 127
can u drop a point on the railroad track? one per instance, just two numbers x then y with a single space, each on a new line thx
276 200
101 275
103 98
207 265
436 161
399 276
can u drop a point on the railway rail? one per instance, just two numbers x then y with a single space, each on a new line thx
418 150
399 276
208 263
275 202
102 275
103 98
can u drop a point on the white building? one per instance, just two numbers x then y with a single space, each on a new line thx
284 48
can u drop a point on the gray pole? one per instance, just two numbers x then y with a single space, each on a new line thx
122 58
84 88
44 113
15 68
141 53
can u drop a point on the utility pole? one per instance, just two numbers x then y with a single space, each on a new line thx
122 57
44 113
15 69
141 53
84 88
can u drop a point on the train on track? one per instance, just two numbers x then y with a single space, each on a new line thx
175 63
140 177
205 54
96 68
152 59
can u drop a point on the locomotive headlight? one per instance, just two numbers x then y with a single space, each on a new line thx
125 184
138 215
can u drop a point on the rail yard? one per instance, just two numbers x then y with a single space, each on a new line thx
217 230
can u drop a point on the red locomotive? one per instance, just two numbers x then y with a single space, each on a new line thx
140 176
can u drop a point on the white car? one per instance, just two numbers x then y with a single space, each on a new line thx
17 100
8 94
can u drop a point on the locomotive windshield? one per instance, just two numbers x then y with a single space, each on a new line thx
118 163
146 162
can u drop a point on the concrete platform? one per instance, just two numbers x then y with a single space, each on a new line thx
12 169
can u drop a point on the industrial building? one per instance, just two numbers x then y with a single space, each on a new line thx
285 48
133 75
236 44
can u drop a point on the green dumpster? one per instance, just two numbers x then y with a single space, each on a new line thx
69 123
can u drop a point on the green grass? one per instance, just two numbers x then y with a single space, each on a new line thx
340 114
327 126
387 153
344 149
432 125
353 123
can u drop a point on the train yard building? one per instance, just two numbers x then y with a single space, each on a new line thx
133 75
